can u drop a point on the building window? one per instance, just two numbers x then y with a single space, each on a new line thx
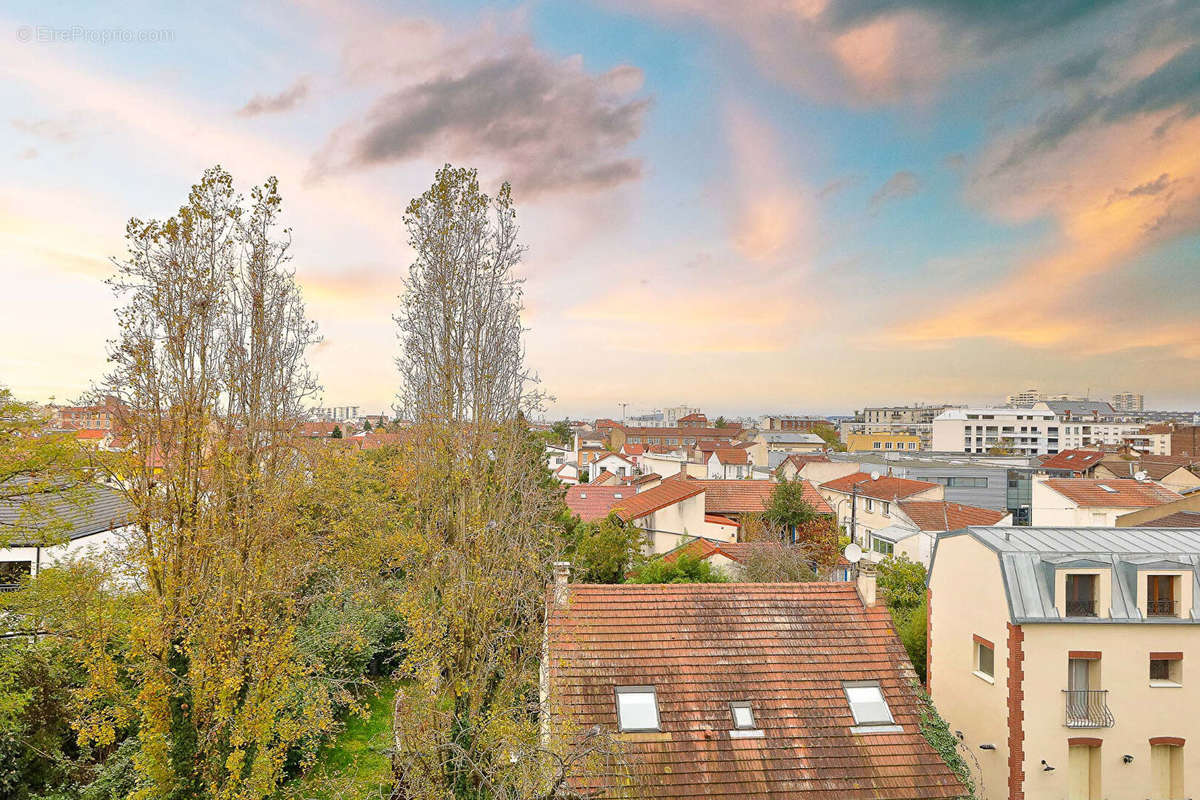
870 504
882 546
875 445
867 703
886 508
637 708
12 573
1081 595
1166 767
743 716
1166 669
985 658
1161 597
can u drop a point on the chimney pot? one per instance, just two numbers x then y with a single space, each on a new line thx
562 576
866 583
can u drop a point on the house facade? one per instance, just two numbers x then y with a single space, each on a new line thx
1077 502
1067 679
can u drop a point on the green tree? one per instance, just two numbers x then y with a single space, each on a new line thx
336 433
686 568
719 422
367 425
901 585
480 542
901 582
561 432
830 435
33 464
604 551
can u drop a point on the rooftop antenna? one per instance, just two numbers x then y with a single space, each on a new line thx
874 476
853 553
1140 476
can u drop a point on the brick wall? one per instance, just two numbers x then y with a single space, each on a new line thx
1016 713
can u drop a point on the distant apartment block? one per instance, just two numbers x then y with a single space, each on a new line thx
859 442
1128 401
336 413
1067 678
1026 397
1045 428
787 422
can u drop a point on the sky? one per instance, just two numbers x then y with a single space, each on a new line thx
783 205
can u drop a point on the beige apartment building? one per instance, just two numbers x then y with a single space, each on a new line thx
1059 656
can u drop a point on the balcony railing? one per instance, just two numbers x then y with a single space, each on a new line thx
1088 708
9 587
1162 608
1081 608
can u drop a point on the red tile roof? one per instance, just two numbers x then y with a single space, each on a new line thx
749 497
693 418
594 502
703 646
887 487
665 494
938 515
717 519
90 433
1126 493
602 478
633 449
798 460
1180 519
1077 460
731 455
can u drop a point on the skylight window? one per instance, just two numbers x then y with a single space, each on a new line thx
637 708
743 716
1107 488
867 704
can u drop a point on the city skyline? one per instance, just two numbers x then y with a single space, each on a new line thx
804 208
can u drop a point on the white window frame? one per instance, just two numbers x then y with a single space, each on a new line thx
869 725
637 690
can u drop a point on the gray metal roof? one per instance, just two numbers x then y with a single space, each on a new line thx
80 513
1080 407
791 436
1029 557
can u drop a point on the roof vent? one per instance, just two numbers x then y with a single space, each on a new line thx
583 495
1107 488
617 495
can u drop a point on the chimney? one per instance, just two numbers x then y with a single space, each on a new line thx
562 576
683 473
865 583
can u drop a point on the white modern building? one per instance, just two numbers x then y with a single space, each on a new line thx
1024 431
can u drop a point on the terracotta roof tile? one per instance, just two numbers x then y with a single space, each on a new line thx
731 455
1077 460
665 494
887 487
633 449
703 646
1180 519
594 502
1121 492
749 497
938 515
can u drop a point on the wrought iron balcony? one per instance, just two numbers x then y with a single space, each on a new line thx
1088 708
1162 608
1081 608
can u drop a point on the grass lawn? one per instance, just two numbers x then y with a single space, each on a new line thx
353 766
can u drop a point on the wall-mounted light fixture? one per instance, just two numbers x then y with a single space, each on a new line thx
987 747
1046 767
1128 759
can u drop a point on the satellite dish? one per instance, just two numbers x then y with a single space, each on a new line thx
853 553
1141 476
874 476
